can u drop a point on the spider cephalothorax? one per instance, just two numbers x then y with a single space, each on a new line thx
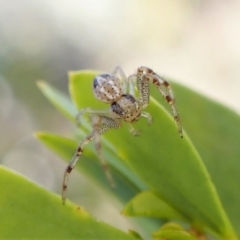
118 90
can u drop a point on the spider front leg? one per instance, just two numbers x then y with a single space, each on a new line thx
118 72
101 124
145 75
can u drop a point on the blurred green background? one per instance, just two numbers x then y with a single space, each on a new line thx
195 42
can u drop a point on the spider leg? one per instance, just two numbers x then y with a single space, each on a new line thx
91 111
133 131
148 117
128 85
119 72
97 120
145 75
164 87
101 124
131 84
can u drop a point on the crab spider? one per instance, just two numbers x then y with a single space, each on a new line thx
117 90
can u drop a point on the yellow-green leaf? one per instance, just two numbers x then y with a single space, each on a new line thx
149 205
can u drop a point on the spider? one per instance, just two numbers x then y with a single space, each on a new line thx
118 90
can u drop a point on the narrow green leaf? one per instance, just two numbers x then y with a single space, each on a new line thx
60 101
149 205
31 212
169 165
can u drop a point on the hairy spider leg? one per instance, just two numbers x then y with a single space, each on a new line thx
164 87
97 120
131 86
118 71
105 124
145 75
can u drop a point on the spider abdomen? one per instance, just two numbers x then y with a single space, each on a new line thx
126 108
107 88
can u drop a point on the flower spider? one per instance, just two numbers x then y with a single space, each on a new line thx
118 91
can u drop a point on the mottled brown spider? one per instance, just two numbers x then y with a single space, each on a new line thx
118 90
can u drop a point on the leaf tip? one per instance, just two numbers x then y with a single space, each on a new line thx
41 84
127 211
70 74
38 135
123 212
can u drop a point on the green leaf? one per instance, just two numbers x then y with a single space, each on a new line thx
61 102
31 212
149 205
172 231
170 166
215 131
